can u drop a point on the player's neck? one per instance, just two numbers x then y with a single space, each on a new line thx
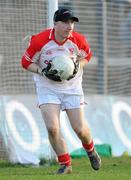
60 39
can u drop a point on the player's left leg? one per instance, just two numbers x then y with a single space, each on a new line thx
80 126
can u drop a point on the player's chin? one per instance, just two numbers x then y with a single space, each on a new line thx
67 34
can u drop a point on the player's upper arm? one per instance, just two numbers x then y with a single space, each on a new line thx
85 50
83 46
31 50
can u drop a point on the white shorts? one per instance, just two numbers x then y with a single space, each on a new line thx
66 101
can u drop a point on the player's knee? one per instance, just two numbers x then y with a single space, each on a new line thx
82 134
53 132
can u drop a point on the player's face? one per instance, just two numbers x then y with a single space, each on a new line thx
63 29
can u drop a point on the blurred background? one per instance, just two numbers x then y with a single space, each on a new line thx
107 78
106 24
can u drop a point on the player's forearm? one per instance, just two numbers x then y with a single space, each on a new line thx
34 68
27 64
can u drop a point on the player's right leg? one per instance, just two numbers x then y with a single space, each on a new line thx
51 116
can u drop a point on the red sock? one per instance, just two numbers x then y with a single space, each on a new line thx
64 159
88 147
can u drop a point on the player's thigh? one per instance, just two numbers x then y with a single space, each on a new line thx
51 115
76 118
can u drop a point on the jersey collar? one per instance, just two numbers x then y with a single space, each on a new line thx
52 37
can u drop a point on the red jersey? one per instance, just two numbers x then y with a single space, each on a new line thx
43 47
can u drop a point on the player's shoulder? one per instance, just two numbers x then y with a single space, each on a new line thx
78 35
43 34
78 38
41 38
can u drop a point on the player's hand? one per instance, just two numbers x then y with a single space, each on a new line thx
76 65
50 74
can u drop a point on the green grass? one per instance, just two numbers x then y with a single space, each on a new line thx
112 169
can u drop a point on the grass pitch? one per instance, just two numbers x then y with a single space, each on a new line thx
112 169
